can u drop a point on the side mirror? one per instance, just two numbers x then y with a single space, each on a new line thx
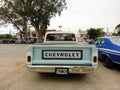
97 44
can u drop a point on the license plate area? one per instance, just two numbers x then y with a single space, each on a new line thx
62 71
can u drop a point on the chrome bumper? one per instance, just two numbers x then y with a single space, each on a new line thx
71 69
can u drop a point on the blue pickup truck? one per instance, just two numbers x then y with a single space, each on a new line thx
62 54
108 50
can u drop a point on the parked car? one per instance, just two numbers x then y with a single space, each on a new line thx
20 41
7 41
90 41
82 41
108 50
30 41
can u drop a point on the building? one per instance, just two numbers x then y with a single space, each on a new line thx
31 34
82 34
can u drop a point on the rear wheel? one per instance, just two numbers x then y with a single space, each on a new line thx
108 63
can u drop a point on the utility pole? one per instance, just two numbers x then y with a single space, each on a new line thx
60 27
10 31
107 31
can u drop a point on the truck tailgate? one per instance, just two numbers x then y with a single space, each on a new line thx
62 55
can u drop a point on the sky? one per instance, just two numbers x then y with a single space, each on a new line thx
84 14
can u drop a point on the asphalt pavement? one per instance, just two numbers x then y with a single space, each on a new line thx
15 76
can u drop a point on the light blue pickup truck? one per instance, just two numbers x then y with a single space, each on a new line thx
62 54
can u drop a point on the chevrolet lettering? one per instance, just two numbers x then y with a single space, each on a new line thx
62 54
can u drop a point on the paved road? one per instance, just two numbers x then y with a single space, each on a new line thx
14 75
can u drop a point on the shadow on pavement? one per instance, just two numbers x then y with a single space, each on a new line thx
69 77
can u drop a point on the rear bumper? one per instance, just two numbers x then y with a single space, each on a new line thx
71 69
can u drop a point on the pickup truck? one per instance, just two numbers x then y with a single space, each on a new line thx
60 53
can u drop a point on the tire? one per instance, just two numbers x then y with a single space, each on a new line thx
108 63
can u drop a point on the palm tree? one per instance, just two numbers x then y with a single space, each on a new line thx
117 29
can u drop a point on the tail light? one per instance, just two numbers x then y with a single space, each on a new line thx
29 58
95 59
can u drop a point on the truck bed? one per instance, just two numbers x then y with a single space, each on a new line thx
62 55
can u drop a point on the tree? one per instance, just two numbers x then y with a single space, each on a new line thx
12 11
117 29
94 33
37 12
41 13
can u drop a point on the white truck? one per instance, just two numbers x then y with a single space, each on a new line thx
62 54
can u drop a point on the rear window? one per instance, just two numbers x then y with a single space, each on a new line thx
61 37
116 40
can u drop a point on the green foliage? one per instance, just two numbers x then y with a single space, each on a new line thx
35 12
94 33
116 34
8 36
119 33
10 12
41 11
